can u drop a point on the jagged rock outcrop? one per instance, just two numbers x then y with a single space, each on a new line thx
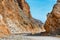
52 24
14 18
25 7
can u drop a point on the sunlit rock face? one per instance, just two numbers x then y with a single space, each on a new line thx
15 18
25 7
52 24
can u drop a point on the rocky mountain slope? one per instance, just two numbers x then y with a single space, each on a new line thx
15 18
25 7
52 24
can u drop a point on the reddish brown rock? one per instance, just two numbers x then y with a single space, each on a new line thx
52 24
25 7
14 18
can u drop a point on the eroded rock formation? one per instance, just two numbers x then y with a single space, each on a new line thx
25 7
15 18
52 24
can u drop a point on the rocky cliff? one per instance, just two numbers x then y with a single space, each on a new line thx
25 7
15 18
52 24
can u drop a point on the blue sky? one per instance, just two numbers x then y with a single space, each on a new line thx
40 8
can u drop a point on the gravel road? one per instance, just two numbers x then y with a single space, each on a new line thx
22 37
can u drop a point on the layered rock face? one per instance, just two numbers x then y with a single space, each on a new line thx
52 24
15 18
25 7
